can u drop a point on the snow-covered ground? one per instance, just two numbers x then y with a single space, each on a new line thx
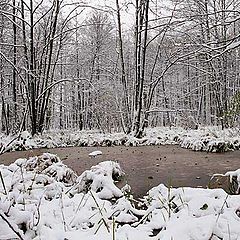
211 139
41 198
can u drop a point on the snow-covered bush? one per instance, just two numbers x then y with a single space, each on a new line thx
100 179
211 139
33 189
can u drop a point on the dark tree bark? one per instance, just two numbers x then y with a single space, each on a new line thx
14 80
126 105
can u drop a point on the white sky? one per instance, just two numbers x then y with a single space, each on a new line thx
127 9
127 13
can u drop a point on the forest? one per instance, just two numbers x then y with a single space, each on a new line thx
73 65
120 119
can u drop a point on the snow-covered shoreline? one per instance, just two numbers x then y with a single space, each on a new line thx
211 139
41 198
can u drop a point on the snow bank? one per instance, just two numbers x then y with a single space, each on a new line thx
211 139
41 198
192 213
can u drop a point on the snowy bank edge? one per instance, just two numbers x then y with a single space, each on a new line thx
210 139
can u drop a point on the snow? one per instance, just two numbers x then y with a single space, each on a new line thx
235 174
41 198
95 153
233 45
211 139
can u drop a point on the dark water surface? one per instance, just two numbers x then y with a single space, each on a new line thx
146 166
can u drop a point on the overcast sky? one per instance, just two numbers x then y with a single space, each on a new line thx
127 9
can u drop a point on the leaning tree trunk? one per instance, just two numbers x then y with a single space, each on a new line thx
126 105
14 80
142 9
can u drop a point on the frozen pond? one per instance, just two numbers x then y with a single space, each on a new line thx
146 166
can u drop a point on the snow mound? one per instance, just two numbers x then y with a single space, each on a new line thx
192 213
100 179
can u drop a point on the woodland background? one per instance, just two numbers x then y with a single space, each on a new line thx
72 65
